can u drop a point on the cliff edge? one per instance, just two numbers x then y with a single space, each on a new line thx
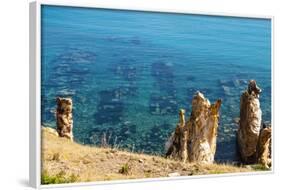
64 161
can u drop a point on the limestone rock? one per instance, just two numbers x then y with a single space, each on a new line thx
64 118
264 146
202 129
177 146
250 122
195 140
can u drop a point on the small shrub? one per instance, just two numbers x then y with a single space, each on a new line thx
260 167
216 172
125 169
73 178
58 178
107 178
147 173
56 157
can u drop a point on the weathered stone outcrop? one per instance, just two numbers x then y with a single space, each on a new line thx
177 145
250 123
195 140
202 129
64 118
264 147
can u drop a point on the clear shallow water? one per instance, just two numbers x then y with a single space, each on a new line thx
129 72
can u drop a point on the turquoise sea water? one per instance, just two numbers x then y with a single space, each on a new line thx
129 72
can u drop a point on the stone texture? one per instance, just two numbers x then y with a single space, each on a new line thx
264 147
195 140
250 123
202 129
64 118
177 144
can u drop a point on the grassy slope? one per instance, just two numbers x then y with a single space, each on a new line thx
70 162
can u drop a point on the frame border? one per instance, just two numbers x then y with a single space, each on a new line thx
34 95
35 90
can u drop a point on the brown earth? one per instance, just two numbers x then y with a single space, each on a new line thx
81 163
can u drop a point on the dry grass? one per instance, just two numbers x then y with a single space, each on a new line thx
99 164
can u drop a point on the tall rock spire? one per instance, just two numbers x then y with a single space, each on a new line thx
250 122
202 129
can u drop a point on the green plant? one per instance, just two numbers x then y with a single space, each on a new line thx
216 172
259 167
125 169
58 178
147 174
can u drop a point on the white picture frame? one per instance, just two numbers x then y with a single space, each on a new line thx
35 90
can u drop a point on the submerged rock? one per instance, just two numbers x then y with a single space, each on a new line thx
190 78
236 120
154 139
226 83
226 90
76 57
64 117
163 73
110 107
162 105
126 69
135 41
250 122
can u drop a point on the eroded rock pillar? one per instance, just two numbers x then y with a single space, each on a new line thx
202 129
64 118
177 146
195 140
250 123
264 146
